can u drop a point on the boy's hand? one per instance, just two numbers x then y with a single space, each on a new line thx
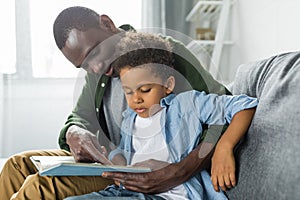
223 168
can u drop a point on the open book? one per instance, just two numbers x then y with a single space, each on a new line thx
66 166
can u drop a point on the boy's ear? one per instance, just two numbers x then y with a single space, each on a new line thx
170 84
107 24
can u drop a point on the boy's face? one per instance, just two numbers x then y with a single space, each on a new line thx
143 90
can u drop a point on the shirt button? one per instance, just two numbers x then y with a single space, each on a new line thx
102 84
97 110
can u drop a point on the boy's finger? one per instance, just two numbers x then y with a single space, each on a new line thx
227 182
232 179
221 183
215 183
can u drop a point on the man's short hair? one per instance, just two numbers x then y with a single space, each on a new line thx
80 18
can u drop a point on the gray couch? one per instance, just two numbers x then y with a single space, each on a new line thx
268 160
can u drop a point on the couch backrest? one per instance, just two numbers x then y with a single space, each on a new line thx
269 158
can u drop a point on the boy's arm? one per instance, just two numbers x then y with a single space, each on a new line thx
223 162
118 159
118 156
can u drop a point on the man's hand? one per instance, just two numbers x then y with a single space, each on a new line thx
85 146
165 178
152 182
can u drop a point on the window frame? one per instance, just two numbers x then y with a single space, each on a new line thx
24 52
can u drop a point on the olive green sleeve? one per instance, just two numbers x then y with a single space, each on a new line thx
198 79
192 70
84 114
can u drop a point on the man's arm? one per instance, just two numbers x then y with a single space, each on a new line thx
173 174
168 177
177 173
78 134
83 115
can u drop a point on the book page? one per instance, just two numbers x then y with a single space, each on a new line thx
44 162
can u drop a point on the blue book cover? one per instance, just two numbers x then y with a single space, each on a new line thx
66 166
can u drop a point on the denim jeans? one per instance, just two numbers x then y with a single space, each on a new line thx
114 192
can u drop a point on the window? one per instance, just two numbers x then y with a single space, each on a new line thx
7 39
36 53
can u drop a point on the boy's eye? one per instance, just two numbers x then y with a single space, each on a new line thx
128 92
145 90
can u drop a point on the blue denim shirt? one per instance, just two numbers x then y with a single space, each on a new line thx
182 121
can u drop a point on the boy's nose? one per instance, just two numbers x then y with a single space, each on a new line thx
137 98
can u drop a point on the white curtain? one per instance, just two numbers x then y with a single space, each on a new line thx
1 115
171 15
39 86
8 37
7 55
168 14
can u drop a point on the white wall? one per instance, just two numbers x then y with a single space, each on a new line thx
1 115
260 29
34 111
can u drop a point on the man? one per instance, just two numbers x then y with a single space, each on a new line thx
87 40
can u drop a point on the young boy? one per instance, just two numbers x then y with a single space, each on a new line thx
153 124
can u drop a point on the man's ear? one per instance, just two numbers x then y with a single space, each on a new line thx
107 24
170 84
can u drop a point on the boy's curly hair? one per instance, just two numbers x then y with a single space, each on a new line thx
136 49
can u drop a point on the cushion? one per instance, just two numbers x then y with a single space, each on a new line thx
268 160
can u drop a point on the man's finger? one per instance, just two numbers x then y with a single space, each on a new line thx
140 180
114 175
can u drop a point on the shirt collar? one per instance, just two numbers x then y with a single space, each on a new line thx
166 101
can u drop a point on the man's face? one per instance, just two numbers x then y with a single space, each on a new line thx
90 50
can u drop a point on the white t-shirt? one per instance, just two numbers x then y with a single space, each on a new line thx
149 143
